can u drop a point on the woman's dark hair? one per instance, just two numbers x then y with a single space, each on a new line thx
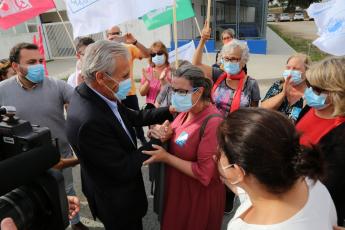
5 64
266 145
197 79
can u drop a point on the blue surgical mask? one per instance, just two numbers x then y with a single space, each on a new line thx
313 100
124 88
182 103
159 60
296 76
35 73
232 68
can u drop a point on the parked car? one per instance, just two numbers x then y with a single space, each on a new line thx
299 16
284 17
271 18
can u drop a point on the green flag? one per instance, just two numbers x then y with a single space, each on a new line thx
162 17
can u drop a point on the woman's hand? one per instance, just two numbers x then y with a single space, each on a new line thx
163 77
158 155
145 75
162 132
206 32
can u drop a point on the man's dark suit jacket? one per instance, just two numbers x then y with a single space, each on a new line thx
110 162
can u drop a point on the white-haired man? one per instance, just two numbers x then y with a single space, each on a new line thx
99 129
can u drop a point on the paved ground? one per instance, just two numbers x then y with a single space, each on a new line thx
265 68
303 29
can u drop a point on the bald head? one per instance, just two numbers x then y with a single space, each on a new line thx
114 33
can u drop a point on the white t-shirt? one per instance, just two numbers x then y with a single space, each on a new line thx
318 213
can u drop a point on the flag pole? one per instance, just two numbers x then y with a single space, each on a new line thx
175 33
197 25
208 13
64 25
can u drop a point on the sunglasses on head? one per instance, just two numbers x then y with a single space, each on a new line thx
158 53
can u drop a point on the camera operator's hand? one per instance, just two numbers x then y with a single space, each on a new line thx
73 206
8 224
66 162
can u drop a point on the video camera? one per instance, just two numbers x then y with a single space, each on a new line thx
32 194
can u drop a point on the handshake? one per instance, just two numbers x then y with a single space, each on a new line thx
163 133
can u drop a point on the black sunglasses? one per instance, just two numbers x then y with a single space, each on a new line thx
115 33
158 53
317 90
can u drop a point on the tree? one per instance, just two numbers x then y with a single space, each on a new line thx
301 3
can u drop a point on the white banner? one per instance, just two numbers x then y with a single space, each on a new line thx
185 52
330 19
93 16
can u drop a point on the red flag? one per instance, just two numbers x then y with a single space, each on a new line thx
14 12
39 43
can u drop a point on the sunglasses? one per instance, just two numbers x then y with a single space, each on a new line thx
317 90
226 38
158 53
115 33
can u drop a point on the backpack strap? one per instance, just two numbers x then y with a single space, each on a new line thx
204 123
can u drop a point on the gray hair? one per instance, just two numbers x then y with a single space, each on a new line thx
197 78
228 48
101 57
229 31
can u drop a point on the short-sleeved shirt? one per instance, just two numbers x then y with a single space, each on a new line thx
318 213
223 95
292 111
134 54
42 105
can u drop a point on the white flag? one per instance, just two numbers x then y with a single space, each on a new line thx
330 19
184 52
94 16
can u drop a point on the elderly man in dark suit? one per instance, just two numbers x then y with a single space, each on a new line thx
99 128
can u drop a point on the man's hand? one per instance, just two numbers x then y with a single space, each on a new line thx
73 206
8 224
129 38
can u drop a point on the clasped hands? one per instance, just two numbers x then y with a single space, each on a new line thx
163 133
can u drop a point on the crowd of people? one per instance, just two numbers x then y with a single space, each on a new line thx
275 164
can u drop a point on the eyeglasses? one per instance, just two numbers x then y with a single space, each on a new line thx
115 33
158 53
184 92
233 59
226 38
317 90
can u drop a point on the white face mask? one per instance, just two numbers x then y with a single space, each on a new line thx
159 60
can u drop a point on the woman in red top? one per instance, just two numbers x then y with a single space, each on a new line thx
322 123
194 194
